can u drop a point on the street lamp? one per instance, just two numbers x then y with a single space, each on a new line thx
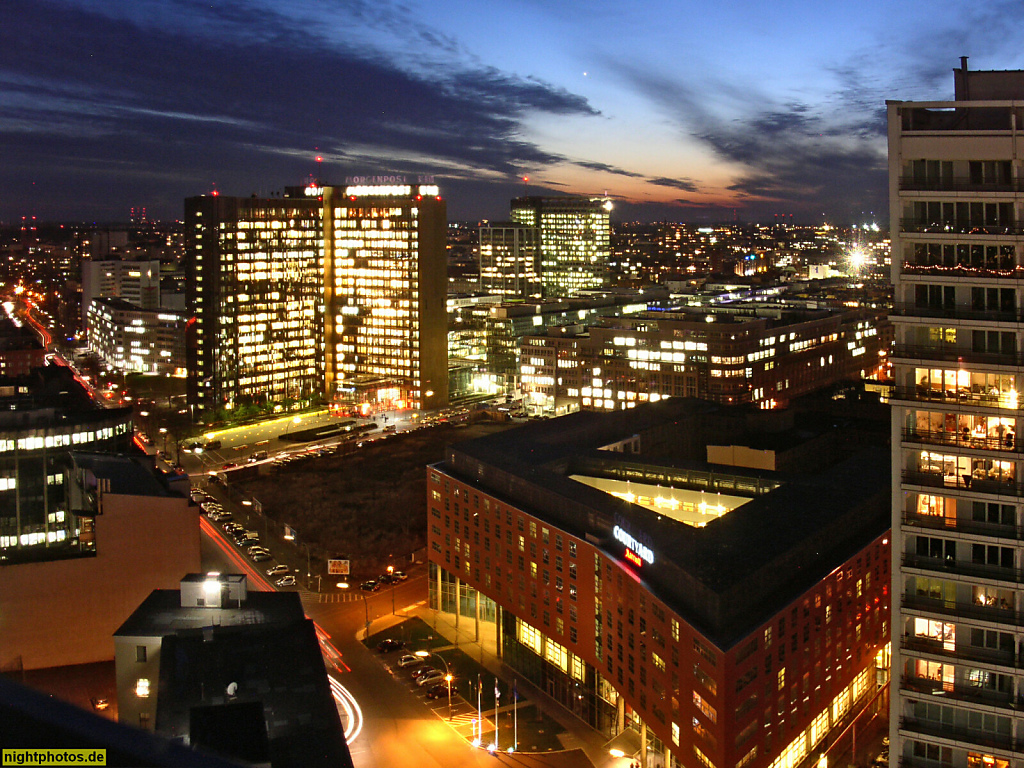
163 431
391 578
447 675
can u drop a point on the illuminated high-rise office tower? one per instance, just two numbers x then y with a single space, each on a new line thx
574 240
510 259
256 288
385 285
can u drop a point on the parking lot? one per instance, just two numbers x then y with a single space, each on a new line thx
518 720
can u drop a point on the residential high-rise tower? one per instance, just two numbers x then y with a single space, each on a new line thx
956 201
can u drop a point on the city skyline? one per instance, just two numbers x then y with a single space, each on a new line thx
109 105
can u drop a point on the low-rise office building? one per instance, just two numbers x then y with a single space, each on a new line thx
714 615
130 528
763 356
136 340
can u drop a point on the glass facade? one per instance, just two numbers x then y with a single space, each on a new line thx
575 245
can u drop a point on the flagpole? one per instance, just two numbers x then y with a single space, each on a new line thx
515 717
479 706
497 696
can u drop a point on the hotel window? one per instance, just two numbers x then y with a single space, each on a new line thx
140 653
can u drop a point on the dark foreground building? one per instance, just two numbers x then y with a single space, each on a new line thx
724 615
231 672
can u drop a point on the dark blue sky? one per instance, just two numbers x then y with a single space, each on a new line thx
684 110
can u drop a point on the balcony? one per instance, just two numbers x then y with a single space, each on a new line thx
959 184
956 354
926 226
961 692
1001 487
1008 271
948 731
961 313
963 568
1007 443
989 613
963 525
960 396
968 653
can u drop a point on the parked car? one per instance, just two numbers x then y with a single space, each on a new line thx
260 556
387 645
416 671
398 576
233 528
278 570
431 677
409 660
439 690
286 581
370 586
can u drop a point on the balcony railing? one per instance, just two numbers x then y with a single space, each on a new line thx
927 226
906 309
1007 487
960 692
966 653
963 525
987 271
1007 442
961 395
963 568
988 613
956 354
949 731
959 184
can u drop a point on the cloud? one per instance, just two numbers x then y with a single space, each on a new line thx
785 155
240 92
594 165
684 184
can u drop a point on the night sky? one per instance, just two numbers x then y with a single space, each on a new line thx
682 110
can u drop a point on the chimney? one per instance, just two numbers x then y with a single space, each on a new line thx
963 63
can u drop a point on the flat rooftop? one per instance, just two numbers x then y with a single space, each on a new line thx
781 533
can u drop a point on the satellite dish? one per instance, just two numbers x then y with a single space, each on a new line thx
232 689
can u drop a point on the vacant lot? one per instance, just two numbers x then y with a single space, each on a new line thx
367 504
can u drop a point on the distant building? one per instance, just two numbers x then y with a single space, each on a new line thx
693 613
230 671
956 200
136 282
731 357
574 240
256 290
135 340
510 260
20 350
119 528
